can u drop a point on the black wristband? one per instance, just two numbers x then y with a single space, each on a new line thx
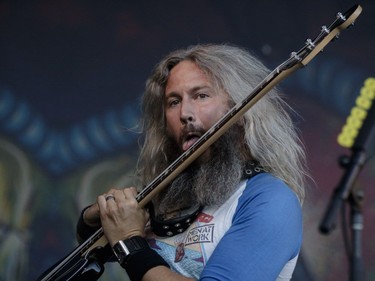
83 230
140 262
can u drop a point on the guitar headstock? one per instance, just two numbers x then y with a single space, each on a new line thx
327 34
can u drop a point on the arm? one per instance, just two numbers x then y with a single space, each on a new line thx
266 233
162 273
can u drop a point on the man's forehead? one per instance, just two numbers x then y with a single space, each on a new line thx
187 74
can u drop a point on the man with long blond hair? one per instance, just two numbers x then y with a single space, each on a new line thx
235 212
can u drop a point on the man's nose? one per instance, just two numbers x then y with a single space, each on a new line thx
187 114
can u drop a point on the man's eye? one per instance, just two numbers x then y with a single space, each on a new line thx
173 103
202 95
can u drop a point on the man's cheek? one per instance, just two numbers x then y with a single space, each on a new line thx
172 135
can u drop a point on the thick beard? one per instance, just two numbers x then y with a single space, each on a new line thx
209 182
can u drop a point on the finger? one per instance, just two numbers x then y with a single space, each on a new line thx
119 195
107 203
112 194
112 199
109 197
91 215
113 191
134 190
106 198
102 203
129 193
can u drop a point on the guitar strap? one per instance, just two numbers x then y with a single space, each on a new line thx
171 227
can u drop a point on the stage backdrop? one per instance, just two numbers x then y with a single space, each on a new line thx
71 76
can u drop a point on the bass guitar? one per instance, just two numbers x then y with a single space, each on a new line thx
84 263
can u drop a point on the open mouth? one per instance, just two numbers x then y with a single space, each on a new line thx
189 139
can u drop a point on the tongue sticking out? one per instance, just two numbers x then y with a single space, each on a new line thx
189 142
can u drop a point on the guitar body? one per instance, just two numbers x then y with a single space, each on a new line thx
75 270
87 268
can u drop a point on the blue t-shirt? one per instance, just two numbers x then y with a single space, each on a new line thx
255 235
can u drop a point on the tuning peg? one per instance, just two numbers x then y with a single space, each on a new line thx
325 29
295 56
351 25
341 16
310 44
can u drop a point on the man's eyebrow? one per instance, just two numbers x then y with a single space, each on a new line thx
171 94
197 88
192 90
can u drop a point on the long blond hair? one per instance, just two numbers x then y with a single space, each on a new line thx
269 131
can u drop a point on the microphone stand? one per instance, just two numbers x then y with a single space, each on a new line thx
356 218
345 192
